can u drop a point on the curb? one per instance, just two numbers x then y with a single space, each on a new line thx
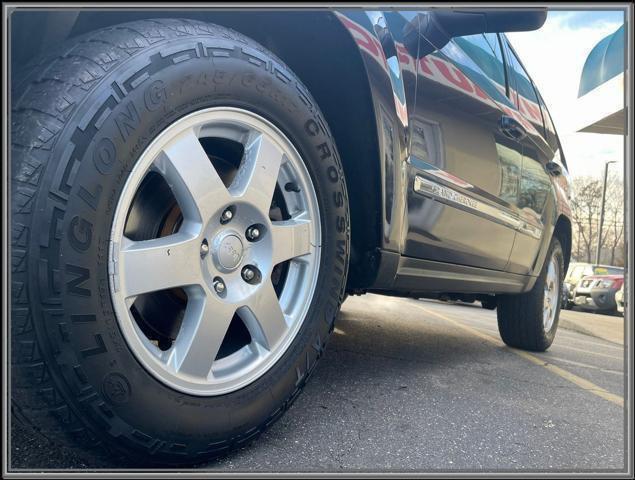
576 327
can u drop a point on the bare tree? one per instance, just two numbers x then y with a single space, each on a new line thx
585 209
585 206
613 233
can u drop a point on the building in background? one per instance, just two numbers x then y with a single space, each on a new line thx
598 214
601 92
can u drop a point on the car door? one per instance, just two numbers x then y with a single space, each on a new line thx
536 200
463 171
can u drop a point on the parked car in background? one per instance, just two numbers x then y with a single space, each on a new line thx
597 292
577 271
619 299
566 296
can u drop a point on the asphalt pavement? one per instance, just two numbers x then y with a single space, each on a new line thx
411 385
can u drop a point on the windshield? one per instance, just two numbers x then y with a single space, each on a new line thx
608 271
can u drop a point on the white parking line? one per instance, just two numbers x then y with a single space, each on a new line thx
584 365
590 352
576 380
558 344
572 362
492 323
588 342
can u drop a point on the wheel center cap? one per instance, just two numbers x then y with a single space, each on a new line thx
228 251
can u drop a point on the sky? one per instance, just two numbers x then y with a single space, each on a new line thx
554 56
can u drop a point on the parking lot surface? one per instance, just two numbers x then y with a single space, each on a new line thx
411 385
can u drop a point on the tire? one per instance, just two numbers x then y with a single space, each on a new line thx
520 317
565 303
489 303
81 118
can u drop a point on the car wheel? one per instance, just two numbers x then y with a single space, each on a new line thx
530 320
180 240
489 303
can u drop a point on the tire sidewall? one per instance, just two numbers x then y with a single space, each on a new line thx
87 170
555 250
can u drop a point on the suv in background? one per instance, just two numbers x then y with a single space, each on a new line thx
575 273
597 293
619 299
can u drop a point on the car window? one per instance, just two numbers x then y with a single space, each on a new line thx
522 91
550 130
480 58
485 51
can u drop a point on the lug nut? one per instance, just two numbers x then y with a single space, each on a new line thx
253 233
219 286
248 274
204 249
227 215
251 274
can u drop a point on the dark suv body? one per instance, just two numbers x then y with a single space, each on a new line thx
419 158
456 146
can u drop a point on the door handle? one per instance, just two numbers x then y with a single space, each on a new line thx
511 128
553 169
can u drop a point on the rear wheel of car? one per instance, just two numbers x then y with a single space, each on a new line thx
530 320
181 236
489 303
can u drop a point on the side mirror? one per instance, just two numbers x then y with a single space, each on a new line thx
435 28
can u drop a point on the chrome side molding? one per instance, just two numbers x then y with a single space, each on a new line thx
436 191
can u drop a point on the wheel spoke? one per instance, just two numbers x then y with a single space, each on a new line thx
150 265
256 179
550 295
202 332
193 179
291 239
264 317
198 257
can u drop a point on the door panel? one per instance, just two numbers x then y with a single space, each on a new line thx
456 145
536 201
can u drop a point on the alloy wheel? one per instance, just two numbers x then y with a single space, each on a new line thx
231 261
551 294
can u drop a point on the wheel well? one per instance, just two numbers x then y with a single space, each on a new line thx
318 49
562 232
322 53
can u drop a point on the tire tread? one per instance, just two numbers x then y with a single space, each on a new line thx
520 316
45 94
